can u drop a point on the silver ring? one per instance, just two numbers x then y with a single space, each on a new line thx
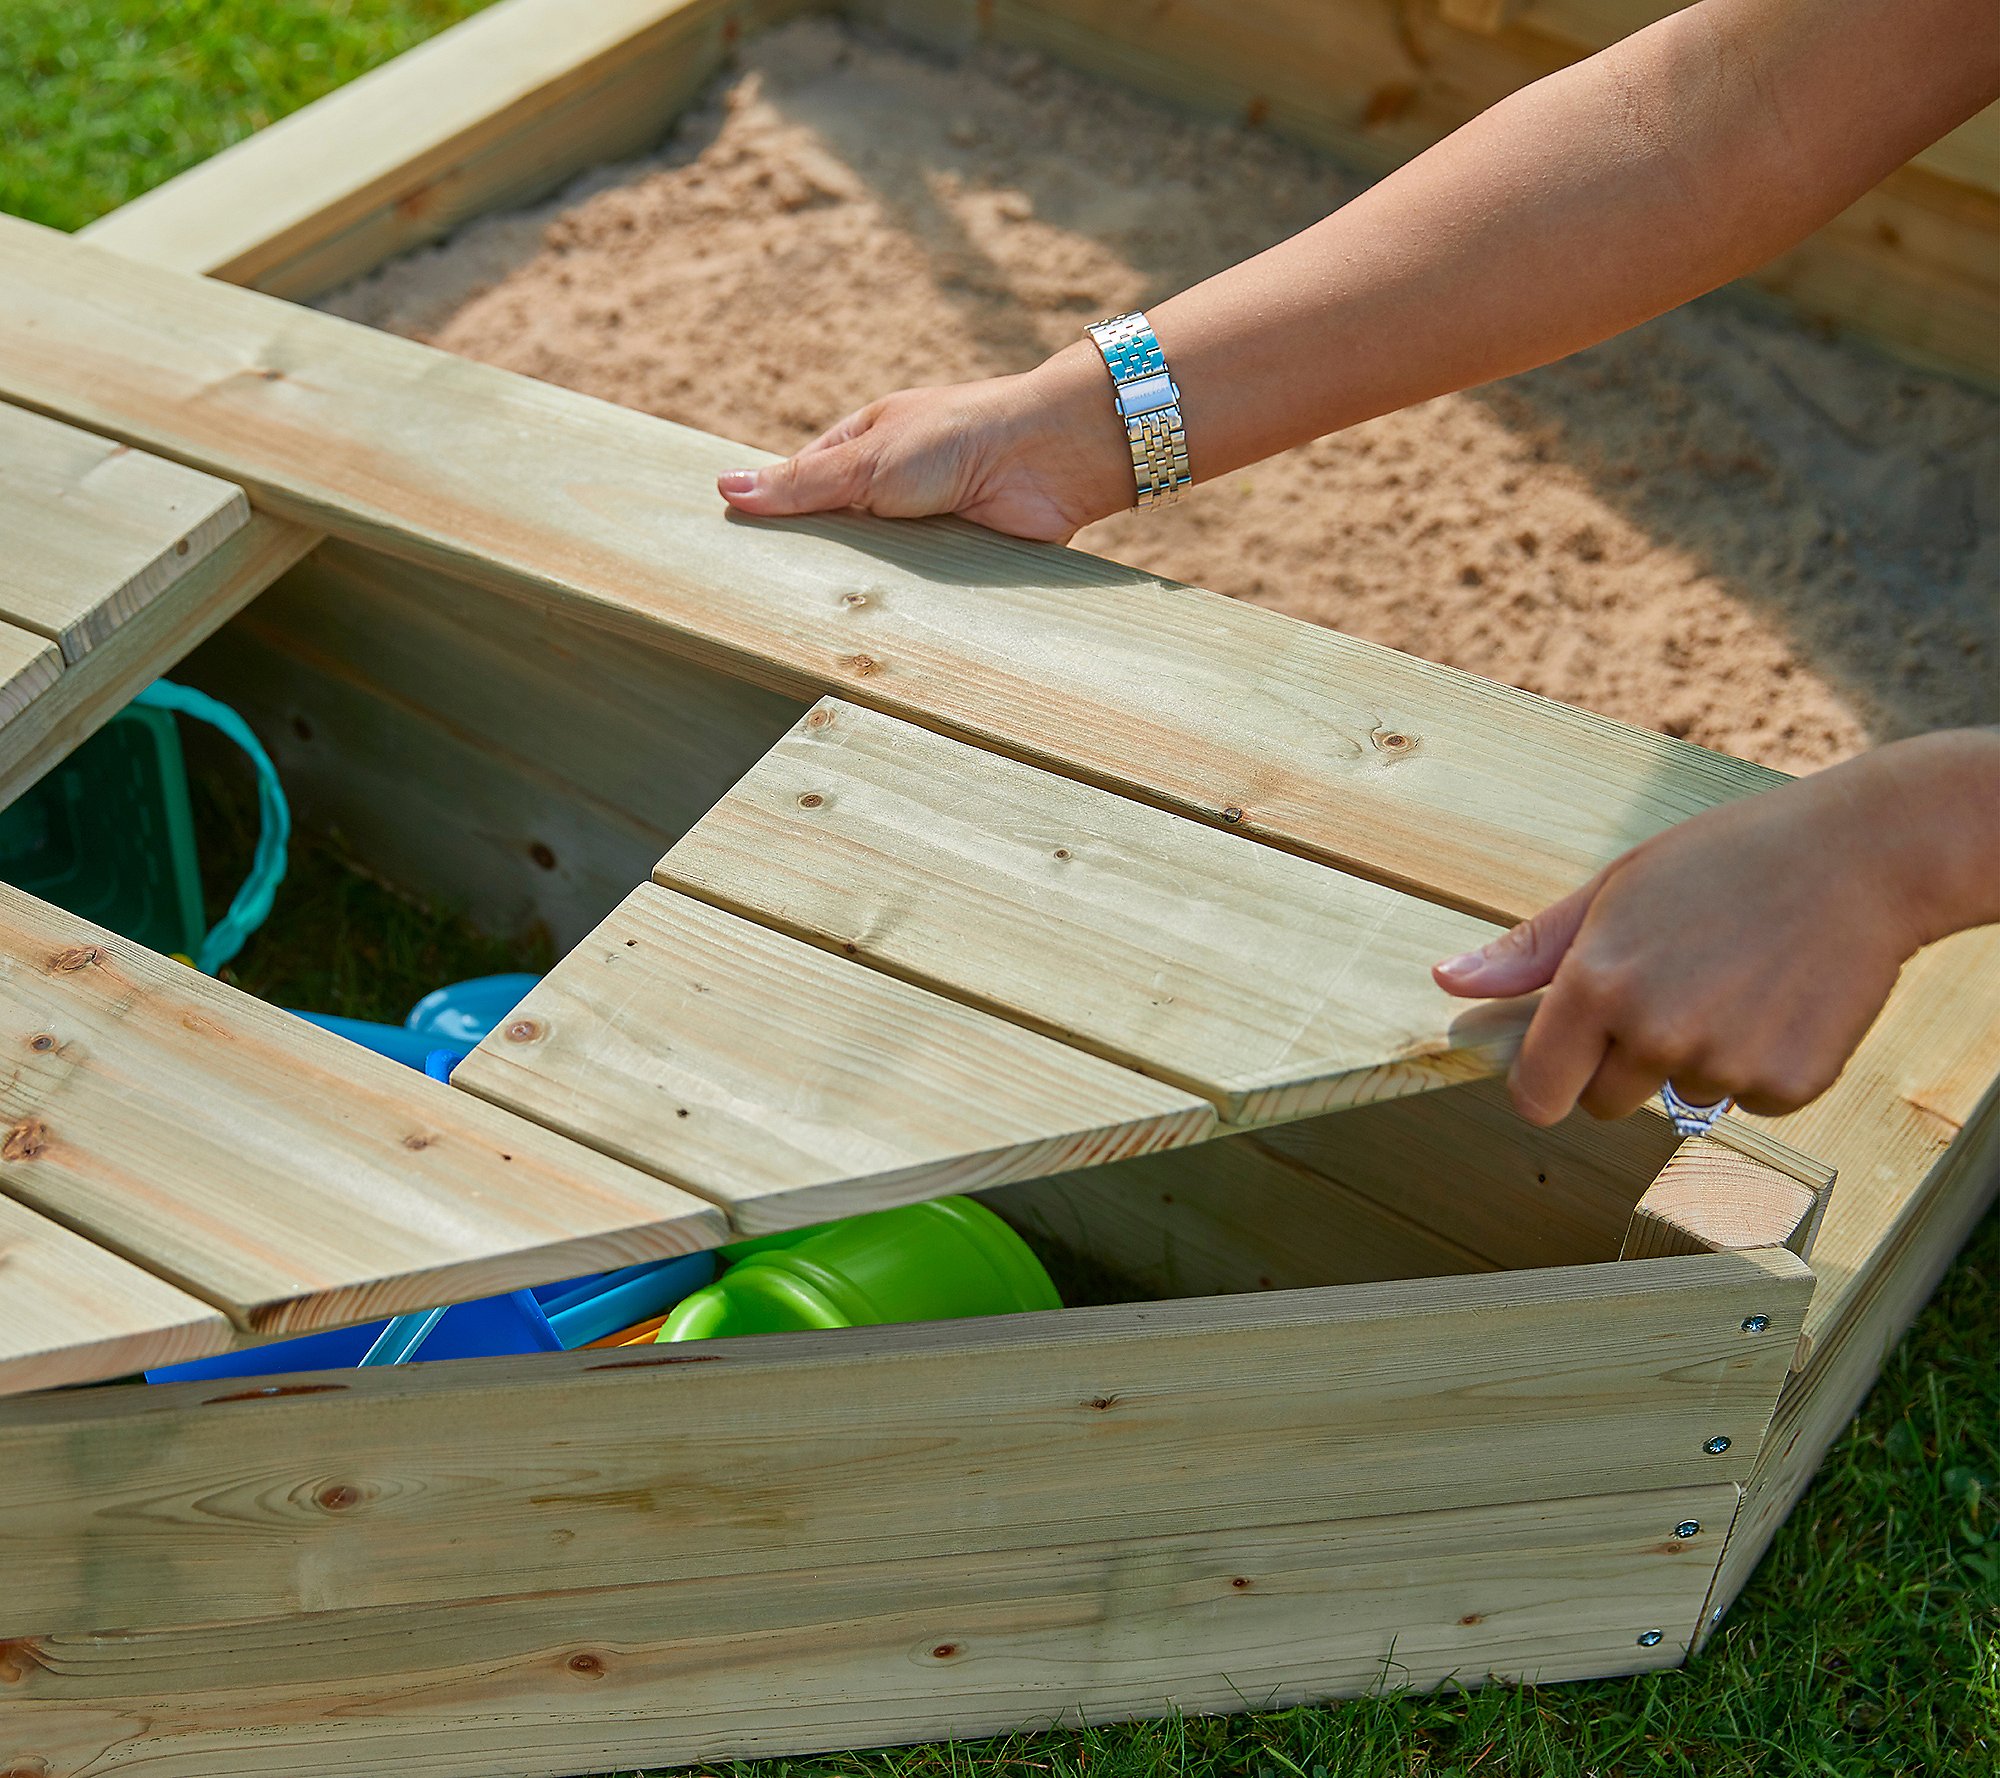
1691 1120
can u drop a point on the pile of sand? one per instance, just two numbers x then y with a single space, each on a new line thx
1721 525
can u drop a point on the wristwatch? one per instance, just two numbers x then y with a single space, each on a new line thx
1149 403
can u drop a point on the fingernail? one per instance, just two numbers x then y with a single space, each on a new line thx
736 481
1463 964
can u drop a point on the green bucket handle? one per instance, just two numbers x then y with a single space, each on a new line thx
252 903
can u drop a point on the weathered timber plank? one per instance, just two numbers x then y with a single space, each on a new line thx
290 1178
71 1312
95 531
708 1670
1478 795
1228 1216
496 111
86 696
1709 1197
1270 985
792 1087
202 1503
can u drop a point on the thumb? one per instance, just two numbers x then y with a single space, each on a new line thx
1522 958
816 480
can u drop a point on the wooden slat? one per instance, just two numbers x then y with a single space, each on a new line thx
95 531
493 112
29 665
1465 1163
1887 1127
1228 1216
1484 797
86 696
71 1312
705 1671
1271 985
792 1087
289 1178
1709 1198
202 1503
1817 1405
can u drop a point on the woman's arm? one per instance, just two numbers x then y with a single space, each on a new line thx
1673 161
1745 953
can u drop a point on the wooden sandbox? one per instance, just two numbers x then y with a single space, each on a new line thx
890 860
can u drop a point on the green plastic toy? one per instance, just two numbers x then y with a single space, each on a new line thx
921 1262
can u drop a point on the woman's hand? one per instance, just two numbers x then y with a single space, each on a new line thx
1039 455
1746 952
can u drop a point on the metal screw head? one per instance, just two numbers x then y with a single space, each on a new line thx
1651 1639
1756 1323
1687 1528
1716 1446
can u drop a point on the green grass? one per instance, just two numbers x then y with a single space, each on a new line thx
1868 1645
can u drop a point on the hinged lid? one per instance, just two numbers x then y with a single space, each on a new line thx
915 967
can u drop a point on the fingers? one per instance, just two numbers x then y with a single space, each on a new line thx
816 480
1523 958
1563 1050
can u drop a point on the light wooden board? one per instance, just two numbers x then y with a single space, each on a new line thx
1817 1405
86 696
553 763
202 1503
1465 1164
1272 986
288 1177
1479 795
1887 1126
792 1087
1228 1216
705 1671
71 1312
494 112
29 665
1709 1197
95 530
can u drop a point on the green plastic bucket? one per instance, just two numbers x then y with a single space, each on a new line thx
921 1262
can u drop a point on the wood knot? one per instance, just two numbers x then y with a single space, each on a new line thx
41 1043
1062 851
338 1497
1473 1617
1102 1402
75 958
1240 1584
523 1031
588 1665
181 548
1232 813
417 1142
25 1140
811 800
19 1658
1393 742
819 719
946 1651
854 600
542 856
861 665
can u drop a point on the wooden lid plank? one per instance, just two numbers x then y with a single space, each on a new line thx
1273 986
29 665
792 1086
71 1312
289 1177
95 530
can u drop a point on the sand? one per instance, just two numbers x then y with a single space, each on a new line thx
1723 525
